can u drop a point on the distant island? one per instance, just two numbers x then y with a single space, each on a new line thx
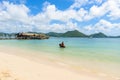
36 35
76 33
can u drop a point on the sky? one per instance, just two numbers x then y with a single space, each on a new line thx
87 16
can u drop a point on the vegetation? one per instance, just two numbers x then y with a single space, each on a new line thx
53 34
98 35
74 33
36 35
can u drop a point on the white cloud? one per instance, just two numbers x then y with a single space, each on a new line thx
10 11
114 8
110 7
99 1
13 17
96 11
105 27
62 28
78 3
17 18
96 1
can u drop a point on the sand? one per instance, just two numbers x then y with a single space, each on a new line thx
13 67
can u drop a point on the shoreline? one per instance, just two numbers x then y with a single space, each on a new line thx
45 62
25 69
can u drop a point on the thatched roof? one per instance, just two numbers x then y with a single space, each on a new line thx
32 36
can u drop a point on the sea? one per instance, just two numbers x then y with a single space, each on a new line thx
99 56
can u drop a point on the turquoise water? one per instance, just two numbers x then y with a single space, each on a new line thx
101 49
95 55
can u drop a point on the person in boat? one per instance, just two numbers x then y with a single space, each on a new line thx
62 45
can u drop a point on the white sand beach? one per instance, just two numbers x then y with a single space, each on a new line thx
17 68
16 65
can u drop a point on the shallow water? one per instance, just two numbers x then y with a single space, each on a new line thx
102 54
106 49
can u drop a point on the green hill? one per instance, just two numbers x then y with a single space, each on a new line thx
74 33
98 35
114 36
53 34
2 34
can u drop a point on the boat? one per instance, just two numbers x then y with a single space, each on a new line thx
62 45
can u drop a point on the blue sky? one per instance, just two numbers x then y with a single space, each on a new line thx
87 16
36 5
